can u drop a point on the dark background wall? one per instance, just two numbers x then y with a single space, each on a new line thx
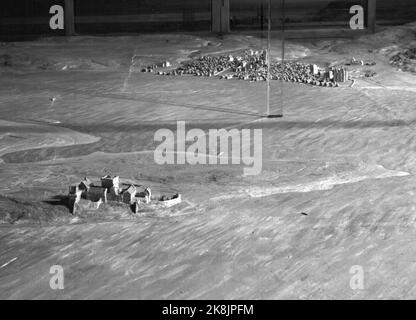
26 17
142 15
112 16
300 14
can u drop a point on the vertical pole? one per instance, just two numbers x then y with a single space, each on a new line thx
283 54
220 13
225 16
215 12
279 114
69 18
269 30
371 15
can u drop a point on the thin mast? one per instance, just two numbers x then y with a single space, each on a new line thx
269 29
283 54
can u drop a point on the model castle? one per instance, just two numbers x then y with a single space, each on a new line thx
91 196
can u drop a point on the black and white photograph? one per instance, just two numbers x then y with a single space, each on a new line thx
201 150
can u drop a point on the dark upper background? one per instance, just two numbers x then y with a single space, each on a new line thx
25 17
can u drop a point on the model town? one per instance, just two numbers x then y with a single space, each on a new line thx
89 196
252 66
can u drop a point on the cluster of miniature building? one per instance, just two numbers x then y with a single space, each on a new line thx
402 60
110 189
252 66
153 67
355 62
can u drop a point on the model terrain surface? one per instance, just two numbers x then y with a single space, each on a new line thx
337 186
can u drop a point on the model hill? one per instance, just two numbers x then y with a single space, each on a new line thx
14 210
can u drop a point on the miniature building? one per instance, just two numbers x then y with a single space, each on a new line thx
96 193
314 69
112 195
109 182
340 75
148 195
129 194
85 184
73 189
